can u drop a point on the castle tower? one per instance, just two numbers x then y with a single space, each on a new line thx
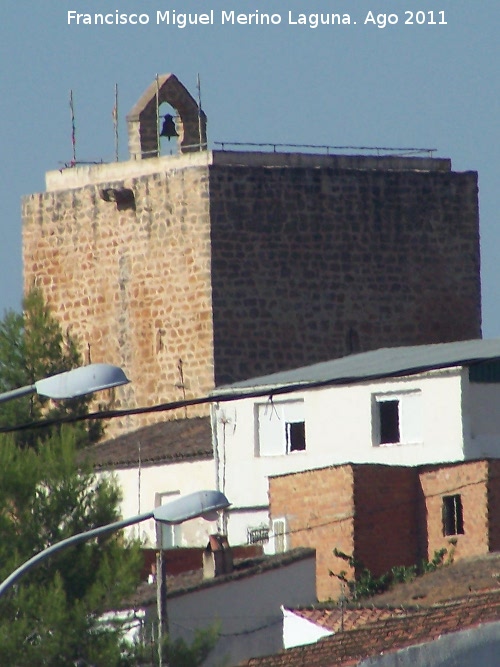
208 267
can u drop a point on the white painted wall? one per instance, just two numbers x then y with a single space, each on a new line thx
247 609
339 429
139 494
483 433
298 631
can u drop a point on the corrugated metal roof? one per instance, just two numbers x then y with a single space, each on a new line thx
381 363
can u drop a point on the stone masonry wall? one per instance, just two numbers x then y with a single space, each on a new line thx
130 281
314 263
243 269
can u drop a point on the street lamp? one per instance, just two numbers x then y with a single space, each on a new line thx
191 506
72 384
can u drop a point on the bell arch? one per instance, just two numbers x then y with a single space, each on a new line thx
142 121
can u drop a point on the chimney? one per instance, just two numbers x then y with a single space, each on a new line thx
217 557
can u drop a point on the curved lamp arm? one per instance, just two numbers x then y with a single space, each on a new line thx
191 506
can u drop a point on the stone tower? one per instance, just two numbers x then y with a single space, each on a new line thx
208 267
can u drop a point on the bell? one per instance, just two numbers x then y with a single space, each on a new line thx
168 130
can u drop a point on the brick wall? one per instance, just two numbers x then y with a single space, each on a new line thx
319 511
246 265
469 481
386 515
494 505
387 523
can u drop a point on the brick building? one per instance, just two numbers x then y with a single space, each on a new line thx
208 267
387 515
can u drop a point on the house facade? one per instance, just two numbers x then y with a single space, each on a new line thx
152 466
244 605
400 407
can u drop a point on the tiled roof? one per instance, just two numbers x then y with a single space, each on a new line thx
348 648
337 620
165 442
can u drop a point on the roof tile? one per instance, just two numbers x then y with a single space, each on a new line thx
164 442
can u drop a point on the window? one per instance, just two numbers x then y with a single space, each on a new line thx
279 535
453 515
258 535
397 418
280 428
389 421
167 536
295 436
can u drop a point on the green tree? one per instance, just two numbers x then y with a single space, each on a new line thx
177 652
52 615
32 347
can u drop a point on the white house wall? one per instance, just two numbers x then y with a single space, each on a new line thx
247 611
298 631
338 426
339 422
139 496
483 439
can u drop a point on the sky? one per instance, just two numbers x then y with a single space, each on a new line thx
425 76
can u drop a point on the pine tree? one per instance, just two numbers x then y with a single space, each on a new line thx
32 347
52 615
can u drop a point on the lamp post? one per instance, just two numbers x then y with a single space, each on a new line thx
191 506
72 384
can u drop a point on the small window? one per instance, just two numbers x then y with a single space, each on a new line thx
295 436
167 536
280 428
389 422
279 535
258 535
453 516
397 418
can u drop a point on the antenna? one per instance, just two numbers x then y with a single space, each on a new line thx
115 122
198 85
73 129
157 117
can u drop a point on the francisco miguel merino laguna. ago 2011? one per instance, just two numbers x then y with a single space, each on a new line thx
257 18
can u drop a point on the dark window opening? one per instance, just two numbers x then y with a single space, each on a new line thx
389 421
295 436
453 515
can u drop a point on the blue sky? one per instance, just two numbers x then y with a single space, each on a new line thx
429 86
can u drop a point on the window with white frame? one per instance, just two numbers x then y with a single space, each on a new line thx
167 536
279 535
397 418
280 428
